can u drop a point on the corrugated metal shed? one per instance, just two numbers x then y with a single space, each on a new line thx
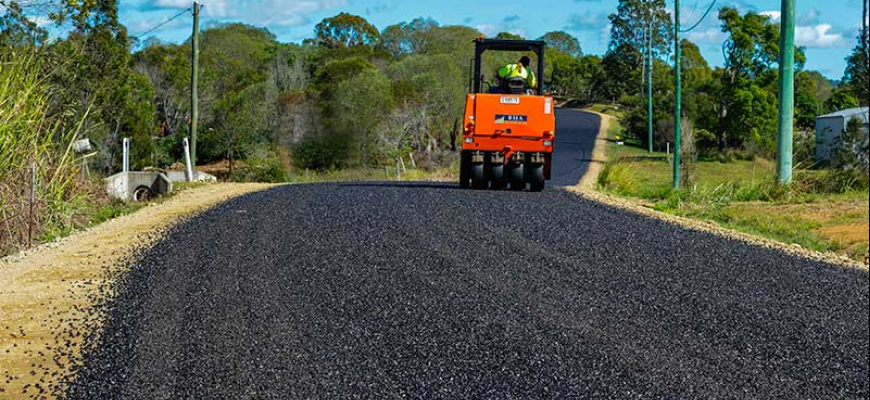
829 128
860 113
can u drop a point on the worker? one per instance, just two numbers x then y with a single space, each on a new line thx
520 70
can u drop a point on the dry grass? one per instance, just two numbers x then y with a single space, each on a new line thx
44 292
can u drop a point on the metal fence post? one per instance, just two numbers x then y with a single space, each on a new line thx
30 218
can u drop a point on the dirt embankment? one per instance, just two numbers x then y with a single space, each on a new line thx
47 296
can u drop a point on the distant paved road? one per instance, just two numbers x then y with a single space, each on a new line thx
426 291
575 139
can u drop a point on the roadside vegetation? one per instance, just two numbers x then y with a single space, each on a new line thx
823 210
729 134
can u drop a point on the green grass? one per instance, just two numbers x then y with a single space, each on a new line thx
819 211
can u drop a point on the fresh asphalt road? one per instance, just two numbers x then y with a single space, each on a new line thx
426 291
575 139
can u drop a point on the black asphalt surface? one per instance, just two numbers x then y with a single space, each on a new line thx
426 291
575 140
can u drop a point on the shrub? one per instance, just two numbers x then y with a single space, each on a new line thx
322 152
262 166
617 177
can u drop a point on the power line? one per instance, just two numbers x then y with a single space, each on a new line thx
702 18
162 24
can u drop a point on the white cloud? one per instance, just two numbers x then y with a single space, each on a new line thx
819 36
271 13
711 35
774 15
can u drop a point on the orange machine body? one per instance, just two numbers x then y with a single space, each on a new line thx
509 123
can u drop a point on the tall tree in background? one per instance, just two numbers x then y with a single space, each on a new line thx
346 30
628 37
563 42
408 37
748 87
92 75
857 63
630 22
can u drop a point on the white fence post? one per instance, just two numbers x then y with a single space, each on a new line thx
126 157
187 164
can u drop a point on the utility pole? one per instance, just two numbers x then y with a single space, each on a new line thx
649 96
194 83
786 94
678 89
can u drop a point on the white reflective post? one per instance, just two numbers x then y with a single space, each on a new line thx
189 169
126 156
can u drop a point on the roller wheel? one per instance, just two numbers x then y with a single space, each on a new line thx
496 176
517 178
536 178
464 170
478 178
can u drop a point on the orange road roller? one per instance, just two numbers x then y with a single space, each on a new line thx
510 124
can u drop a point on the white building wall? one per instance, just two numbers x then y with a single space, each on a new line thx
827 131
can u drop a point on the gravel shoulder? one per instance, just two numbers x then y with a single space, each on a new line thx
46 293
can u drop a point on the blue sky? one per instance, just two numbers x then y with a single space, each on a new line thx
826 27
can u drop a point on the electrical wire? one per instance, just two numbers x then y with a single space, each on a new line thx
702 18
162 24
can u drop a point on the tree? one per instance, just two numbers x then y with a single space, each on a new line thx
632 20
92 76
364 100
508 36
346 30
747 113
841 99
563 42
16 29
631 27
858 64
752 48
565 74
700 93
408 37
622 72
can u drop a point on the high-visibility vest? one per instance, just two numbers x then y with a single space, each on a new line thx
517 70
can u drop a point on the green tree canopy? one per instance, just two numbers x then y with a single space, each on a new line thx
563 42
346 30
508 36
